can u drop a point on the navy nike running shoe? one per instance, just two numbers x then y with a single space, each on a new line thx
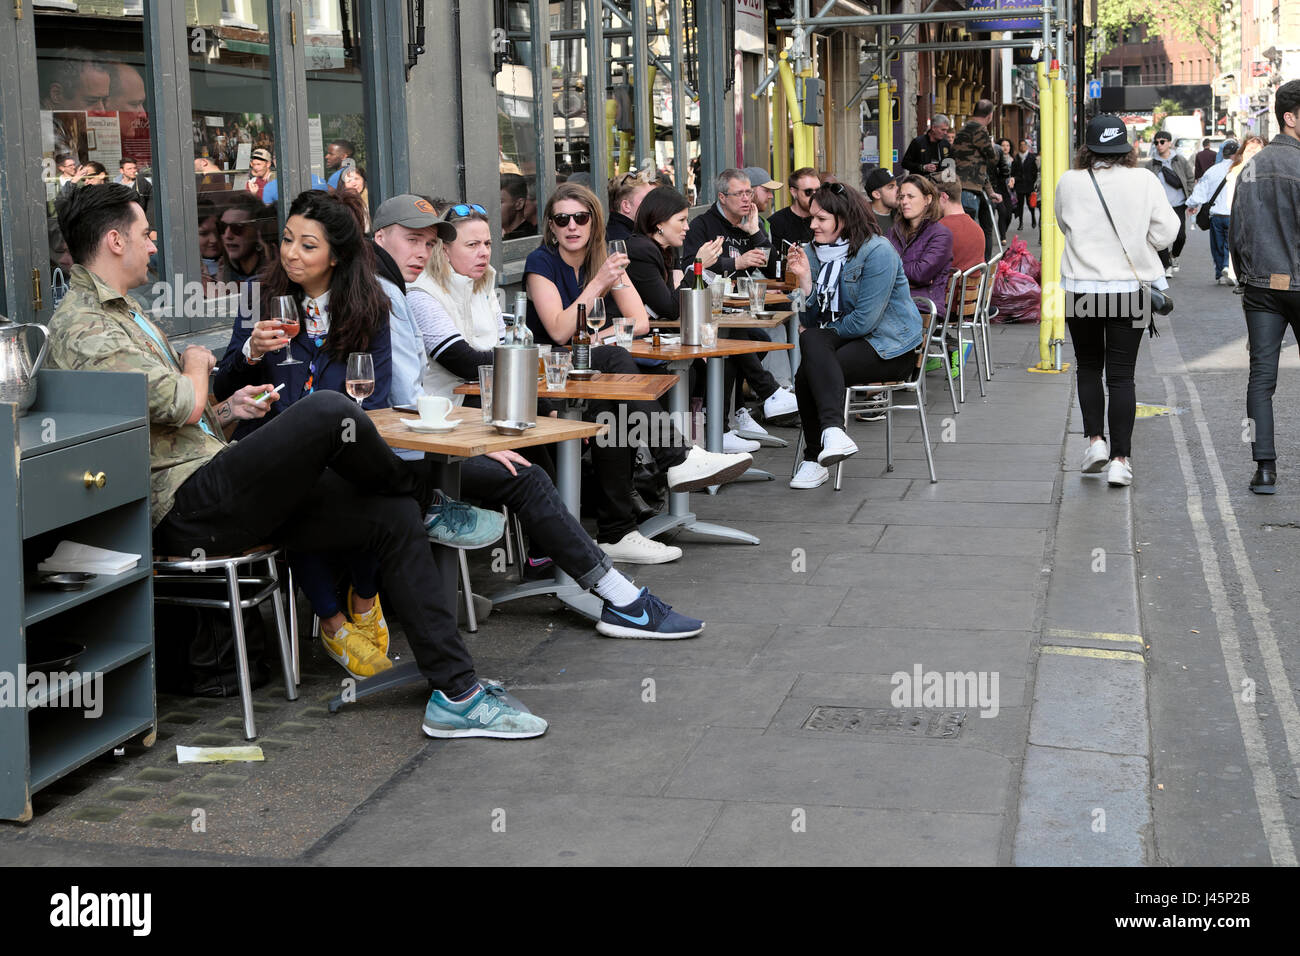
647 617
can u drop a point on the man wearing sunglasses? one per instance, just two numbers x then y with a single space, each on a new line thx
793 224
237 227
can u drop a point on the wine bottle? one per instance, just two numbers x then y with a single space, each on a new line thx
582 342
699 274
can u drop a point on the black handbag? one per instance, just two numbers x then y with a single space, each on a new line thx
1203 214
1161 302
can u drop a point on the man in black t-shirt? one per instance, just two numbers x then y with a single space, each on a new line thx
927 151
791 224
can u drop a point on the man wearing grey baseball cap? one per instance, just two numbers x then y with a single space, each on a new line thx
411 212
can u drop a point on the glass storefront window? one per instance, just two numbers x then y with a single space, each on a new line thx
336 118
93 119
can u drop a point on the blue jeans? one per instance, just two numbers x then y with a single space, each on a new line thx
1219 243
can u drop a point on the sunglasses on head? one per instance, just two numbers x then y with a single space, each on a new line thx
461 210
561 219
836 188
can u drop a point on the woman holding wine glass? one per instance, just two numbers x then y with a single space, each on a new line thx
572 268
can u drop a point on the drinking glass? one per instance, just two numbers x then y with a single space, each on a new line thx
485 389
757 295
717 292
623 330
284 312
542 352
557 370
361 376
596 317
708 334
617 247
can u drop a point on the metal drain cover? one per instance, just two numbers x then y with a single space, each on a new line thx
889 721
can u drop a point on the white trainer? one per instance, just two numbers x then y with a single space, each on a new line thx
743 424
704 468
1095 458
733 444
636 548
1119 474
809 475
779 404
836 446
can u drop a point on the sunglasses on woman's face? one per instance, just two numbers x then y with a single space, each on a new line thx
461 210
561 219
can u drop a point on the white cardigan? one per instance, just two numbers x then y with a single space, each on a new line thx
1092 260
476 316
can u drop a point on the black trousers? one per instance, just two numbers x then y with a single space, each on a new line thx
747 368
828 365
1173 252
1268 313
614 458
533 497
1108 345
319 478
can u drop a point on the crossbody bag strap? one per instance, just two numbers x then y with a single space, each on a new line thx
1222 183
1106 209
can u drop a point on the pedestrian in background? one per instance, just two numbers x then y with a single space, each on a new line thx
1264 236
1103 270
1175 174
1212 188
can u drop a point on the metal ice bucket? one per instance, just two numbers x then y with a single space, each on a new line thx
514 384
694 308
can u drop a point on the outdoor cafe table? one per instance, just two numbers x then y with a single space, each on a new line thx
679 358
472 438
568 471
776 299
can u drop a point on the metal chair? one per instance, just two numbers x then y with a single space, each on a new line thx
936 343
987 310
972 294
868 395
225 570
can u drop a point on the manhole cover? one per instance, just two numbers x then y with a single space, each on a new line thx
891 721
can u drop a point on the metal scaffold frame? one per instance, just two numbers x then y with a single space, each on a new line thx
1054 86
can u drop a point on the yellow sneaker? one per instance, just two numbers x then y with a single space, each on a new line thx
372 623
352 648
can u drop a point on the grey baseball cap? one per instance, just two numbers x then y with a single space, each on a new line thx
412 212
761 177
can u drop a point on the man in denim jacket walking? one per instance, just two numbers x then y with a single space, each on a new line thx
1265 241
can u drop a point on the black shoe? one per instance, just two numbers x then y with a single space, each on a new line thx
543 571
1265 480
646 510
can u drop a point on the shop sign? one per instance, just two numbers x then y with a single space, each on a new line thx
751 34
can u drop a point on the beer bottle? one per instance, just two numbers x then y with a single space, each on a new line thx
582 342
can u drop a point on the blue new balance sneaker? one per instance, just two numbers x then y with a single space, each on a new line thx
459 525
486 714
647 617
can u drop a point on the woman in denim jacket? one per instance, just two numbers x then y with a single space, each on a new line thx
859 325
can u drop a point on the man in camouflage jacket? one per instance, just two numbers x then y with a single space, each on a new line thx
973 150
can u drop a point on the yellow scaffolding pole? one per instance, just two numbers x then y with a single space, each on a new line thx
1051 270
1061 112
886 138
611 117
803 155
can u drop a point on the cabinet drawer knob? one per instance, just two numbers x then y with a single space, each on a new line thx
97 480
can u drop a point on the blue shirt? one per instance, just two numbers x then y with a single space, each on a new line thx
271 191
570 283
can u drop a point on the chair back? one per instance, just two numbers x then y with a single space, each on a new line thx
986 300
953 295
972 291
929 315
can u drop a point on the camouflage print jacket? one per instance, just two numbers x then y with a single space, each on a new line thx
973 151
93 329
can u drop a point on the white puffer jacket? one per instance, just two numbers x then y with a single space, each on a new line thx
477 316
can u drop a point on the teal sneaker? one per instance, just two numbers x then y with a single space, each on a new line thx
458 525
486 714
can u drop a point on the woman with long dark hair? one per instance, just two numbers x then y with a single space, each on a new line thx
1103 272
921 242
860 325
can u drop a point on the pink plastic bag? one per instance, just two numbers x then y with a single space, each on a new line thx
1018 258
1017 296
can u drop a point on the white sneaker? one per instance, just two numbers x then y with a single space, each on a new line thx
1119 474
636 548
809 475
733 444
1095 458
1175 265
704 468
743 424
780 403
836 446
1169 271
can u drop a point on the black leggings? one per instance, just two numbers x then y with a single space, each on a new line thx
827 366
1109 345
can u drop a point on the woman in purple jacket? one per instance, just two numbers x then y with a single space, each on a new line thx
922 243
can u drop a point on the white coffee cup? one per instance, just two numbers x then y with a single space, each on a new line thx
433 409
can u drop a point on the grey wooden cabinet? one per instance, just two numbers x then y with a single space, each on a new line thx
83 425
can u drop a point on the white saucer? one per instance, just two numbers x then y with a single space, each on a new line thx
419 425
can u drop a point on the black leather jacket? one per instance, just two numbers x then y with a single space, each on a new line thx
1264 233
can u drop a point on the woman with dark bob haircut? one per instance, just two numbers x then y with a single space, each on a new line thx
859 325
661 223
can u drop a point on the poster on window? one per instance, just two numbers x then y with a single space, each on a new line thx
104 140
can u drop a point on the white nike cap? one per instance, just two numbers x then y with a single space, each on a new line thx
1107 134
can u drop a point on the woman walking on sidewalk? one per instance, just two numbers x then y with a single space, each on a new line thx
1104 273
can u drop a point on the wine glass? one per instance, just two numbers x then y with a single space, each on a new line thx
361 376
617 247
595 318
284 312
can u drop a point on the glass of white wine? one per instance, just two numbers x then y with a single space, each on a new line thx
361 376
595 318
617 247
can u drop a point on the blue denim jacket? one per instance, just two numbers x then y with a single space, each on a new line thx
875 300
1264 232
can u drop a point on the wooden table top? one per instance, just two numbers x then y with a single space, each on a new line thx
609 386
734 320
641 348
773 298
475 437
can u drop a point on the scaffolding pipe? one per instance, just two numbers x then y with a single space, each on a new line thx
1061 119
943 16
965 45
801 158
1047 216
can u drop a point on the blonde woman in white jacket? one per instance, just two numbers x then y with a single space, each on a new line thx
1102 275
